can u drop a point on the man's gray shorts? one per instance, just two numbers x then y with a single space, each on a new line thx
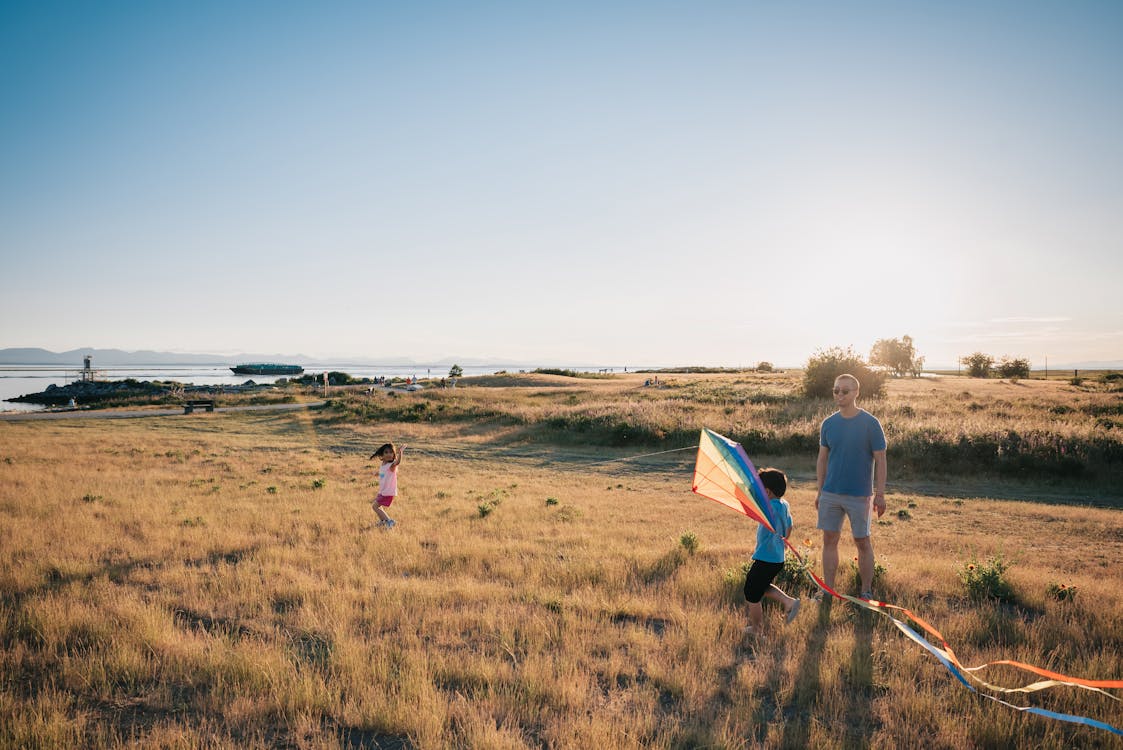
833 508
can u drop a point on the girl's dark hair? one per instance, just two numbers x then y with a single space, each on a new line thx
382 450
775 480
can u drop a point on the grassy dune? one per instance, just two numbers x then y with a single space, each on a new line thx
216 581
1048 431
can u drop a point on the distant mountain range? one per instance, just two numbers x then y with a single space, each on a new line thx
119 357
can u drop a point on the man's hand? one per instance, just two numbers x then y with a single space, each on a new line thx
879 503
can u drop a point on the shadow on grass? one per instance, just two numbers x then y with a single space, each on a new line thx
862 690
797 726
658 570
367 739
767 708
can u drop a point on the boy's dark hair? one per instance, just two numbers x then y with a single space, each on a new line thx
775 480
382 450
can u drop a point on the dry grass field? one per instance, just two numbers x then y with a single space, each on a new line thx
216 580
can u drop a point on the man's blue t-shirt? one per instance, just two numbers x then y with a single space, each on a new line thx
851 443
769 545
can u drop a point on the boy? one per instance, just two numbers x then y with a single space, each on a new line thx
768 558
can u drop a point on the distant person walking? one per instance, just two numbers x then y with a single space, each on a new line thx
851 471
387 481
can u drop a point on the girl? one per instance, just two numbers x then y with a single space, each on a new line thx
387 481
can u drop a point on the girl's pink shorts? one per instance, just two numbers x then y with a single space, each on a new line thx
384 500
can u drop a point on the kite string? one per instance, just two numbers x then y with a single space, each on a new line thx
642 455
590 463
884 607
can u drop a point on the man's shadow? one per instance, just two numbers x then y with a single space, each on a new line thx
797 715
860 678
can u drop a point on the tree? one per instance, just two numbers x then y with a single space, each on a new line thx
826 365
1012 368
455 371
897 354
764 367
978 364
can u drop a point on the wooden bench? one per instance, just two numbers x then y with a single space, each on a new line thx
198 403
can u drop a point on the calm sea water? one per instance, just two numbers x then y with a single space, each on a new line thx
18 380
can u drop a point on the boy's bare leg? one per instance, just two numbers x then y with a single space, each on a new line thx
779 596
756 618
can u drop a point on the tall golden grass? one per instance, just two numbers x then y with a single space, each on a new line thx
217 581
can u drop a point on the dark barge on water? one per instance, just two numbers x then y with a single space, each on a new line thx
267 368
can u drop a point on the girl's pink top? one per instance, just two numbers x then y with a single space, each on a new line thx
387 480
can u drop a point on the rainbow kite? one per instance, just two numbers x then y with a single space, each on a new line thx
724 473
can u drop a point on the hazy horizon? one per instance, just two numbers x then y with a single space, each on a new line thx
225 358
712 184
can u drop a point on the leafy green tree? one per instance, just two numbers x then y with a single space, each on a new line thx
978 364
897 354
827 364
455 371
1009 367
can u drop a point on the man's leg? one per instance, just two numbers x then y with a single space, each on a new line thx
830 556
865 562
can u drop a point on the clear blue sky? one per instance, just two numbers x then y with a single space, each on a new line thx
620 183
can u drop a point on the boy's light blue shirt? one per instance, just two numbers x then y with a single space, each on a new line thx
770 545
851 443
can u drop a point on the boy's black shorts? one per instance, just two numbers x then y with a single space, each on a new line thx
758 579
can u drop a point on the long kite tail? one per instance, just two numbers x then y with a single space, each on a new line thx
948 658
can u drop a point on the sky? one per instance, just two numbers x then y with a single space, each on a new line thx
616 183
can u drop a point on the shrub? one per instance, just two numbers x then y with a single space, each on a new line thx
825 365
551 501
689 541
1013 368
855 576
1061 592
317 484
978 364
485 509
987 580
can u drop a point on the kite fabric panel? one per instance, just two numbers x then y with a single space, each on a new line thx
724 473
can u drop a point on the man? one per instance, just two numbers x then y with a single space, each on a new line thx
850 472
